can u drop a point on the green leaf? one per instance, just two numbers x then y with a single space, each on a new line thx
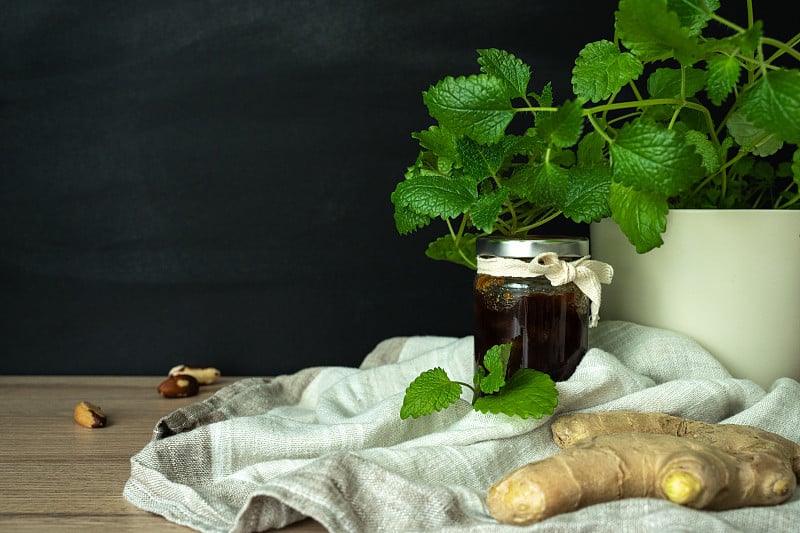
562 128
667 82
431 391
773 104
641 216
546 98
705 148
602 69
693 14
480 160
747 42
747 135
476 106
446 249
436 196
408 221
543 184
429 164
501 64
741 44
439 141
587 197
564 158
590 150
484 211
522 144
426 164
652 32
723 73
528 393
495 361
652 158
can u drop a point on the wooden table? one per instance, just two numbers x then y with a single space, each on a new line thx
57 475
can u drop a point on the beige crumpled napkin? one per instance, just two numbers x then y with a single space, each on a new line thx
329 443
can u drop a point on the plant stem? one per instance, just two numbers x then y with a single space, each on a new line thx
728 23
457 238
599 130
644 103
535 109
553 214
470 387
796 198
789 203
782 47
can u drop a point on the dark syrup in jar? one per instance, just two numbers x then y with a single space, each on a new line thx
547 326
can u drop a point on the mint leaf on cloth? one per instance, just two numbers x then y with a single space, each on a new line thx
327 443
528 393
431 391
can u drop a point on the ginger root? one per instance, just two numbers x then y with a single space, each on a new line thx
614 455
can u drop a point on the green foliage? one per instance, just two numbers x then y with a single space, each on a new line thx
431 391
662 116
495 361
528 393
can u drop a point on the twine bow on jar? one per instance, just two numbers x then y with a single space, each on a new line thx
585 273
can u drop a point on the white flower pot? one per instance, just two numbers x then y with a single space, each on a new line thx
730 279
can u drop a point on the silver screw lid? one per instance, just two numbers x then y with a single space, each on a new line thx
531 246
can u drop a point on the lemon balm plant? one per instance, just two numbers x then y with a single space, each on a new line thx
682 108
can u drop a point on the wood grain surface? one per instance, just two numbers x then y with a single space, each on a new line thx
57 475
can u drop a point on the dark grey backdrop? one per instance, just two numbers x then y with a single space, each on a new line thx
208 181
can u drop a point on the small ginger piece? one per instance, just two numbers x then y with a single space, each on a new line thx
609 456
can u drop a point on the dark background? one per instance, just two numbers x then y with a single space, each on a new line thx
207 182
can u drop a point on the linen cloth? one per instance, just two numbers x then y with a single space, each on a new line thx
328 442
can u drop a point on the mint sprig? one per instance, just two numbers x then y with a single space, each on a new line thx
528 392
431 391
682 108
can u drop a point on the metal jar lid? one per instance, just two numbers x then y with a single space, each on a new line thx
531 246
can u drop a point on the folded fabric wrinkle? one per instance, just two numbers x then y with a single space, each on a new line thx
329 442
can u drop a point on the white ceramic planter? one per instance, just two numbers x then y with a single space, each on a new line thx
730 279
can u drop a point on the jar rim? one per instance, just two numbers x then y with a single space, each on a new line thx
529 246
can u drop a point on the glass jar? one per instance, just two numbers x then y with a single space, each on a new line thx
546 324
